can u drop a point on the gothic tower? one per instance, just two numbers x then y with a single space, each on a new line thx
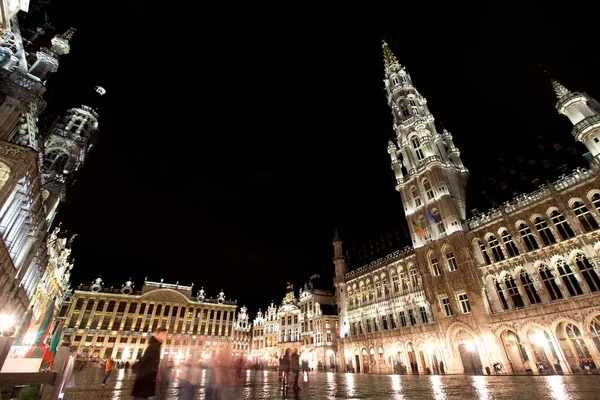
341 268
430 175
584 113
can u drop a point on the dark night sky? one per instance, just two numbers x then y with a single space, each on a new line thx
234 141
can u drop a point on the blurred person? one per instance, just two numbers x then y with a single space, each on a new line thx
295 364
108 367
239 365
147 371
286 368
185 384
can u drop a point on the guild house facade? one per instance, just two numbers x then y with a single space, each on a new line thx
308 322
117 322
517 287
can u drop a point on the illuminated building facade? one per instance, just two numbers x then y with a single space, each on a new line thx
242 332
517 285
36 164
308 323
113 322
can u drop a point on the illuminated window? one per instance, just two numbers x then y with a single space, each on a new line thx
588 272
415 196
510 245
484 253
544 231
463 301
513 291
528 237
568 278
402 319
435 267
428 189
501 294
446 307
395 283
585 218
417 148
529 287
452 266
414 278
496 248
411 317
404 109
562 226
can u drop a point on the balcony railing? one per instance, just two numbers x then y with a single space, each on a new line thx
579 175
396 255
585 124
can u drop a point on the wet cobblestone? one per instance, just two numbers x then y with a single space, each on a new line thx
329 385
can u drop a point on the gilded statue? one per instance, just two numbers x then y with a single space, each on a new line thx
289 286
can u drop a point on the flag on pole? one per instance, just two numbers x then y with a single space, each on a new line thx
432 217
418 229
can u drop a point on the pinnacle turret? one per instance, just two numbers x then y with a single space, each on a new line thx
389 59
559 89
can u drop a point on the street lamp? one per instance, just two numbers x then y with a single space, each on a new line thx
7 325
471 348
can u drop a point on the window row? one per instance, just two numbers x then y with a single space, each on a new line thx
403 319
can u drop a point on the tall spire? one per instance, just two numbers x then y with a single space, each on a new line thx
559 89
336 236
389 59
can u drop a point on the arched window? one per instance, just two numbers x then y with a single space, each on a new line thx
404 109
452 265
544 231
510 245
56 160
363 292
585 218
596 201
386 287
588 272
437 220
501 294
529 287
403 281
428 189
513 291
370 292
395 80
435 266
378 288
496 248
484 253
549 280
416 144
576 337
415 196
595 331
568 277
414 278
395 284
528 237
562 226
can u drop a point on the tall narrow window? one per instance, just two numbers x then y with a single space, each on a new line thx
544 231
510 245
528 237
402 319
595 331
395 80
452 266
484 253
585 218
411 317
496 248
568 277
446 307
527 283
562 226
428 189
424 316
549 280
404 110
392 321
463 300
403 281
437 220
415 196
587 271
368 326
395 283
435 267
378 289
417 148
513 292
414 278
501 294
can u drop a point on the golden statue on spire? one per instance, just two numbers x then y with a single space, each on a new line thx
290 286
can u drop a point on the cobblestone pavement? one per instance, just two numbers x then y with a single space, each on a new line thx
329 385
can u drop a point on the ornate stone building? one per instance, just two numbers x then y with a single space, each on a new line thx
517 285
116 322
309 323
36 165
242 333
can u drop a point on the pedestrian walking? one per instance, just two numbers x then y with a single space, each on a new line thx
145 379
285 367
108 366
296 368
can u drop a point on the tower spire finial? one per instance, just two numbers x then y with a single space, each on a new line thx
389 59
337 235
559 89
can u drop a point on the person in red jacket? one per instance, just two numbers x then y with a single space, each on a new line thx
108 366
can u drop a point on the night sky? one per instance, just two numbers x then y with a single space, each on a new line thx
233 142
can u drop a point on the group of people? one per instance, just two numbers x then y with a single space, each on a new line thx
290 361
